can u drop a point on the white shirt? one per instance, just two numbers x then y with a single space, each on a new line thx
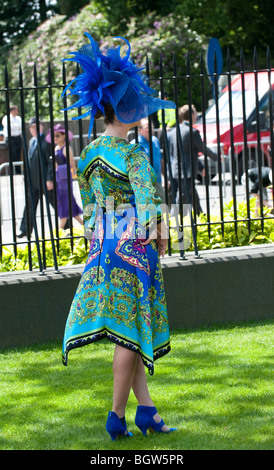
15 125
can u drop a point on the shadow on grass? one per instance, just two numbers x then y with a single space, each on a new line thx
216 397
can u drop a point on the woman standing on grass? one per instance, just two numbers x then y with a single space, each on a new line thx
121 293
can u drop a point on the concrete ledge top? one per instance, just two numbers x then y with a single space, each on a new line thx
205 257
220 255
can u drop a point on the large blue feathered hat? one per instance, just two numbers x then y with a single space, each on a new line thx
112 79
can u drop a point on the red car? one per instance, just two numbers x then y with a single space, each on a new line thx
253 96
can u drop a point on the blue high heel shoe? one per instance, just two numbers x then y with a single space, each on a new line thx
117 427
144 420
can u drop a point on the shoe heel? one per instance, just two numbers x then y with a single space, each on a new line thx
116 428
143 429
114 435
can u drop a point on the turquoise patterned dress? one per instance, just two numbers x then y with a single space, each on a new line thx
121 292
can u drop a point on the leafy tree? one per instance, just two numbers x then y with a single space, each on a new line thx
70 7
18 18
186 29
236 24
52 41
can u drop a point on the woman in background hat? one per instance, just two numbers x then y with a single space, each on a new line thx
121 293
62 176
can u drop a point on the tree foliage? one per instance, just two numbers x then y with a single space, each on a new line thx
235 24
55 38
153 27
18 18
70 7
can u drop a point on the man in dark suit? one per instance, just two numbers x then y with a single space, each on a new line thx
36 174
189 156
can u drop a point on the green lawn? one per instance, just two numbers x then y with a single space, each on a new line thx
215 386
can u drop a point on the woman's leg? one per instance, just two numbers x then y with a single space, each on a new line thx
141 392
139 384
79 219
124 365
129 372
63 222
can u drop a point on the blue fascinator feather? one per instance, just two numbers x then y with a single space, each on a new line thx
112 79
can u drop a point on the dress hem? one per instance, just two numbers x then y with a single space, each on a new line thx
91 338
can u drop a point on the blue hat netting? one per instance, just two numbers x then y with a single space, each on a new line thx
111 79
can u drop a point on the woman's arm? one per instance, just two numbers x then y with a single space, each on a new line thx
141 176
71 159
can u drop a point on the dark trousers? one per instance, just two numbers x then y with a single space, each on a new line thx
15 153
36 198
187 196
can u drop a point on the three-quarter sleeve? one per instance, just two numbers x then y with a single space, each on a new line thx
142 178
88 202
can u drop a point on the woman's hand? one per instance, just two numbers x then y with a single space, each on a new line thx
160 236
49 184
161 245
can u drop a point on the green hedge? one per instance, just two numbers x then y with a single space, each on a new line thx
231 233
65 255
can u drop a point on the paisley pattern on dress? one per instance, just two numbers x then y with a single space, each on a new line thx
121 293
131 250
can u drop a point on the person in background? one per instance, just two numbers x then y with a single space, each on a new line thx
36 175
62 176
170 117
15 137
190 169
157 159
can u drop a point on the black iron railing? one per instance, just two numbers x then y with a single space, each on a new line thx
244 108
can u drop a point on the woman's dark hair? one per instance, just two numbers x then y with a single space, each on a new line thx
109 114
